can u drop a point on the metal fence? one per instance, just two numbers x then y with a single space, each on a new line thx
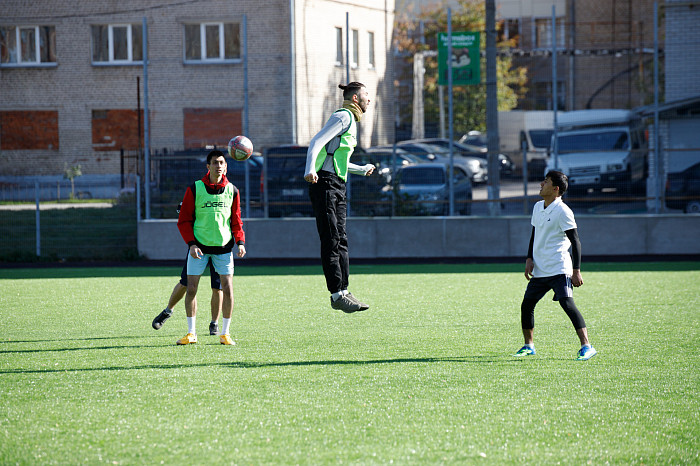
597 124
602 179
53 221
603 63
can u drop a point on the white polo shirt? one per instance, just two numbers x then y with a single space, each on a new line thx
550 248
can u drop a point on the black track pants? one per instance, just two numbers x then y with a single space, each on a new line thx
328 201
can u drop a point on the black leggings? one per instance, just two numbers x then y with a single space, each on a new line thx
527 312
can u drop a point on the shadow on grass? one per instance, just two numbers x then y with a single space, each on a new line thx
262 365
71 339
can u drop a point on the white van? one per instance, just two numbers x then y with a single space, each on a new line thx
602 151
533 129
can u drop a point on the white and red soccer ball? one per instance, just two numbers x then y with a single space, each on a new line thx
240 148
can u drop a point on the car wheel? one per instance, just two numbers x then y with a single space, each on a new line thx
692 207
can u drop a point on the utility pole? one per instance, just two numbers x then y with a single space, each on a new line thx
492 110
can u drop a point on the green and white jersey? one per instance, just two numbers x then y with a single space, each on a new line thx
339 138
212 222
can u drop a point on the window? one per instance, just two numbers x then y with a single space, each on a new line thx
543 96
510 31
117 43
212 43
599 142
355 48
370 49
338 46
27 45
543 33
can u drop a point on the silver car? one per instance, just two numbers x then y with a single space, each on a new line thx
476 168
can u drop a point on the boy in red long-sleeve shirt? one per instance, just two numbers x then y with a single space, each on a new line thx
210 223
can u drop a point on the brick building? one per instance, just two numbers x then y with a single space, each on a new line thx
72 76
606 51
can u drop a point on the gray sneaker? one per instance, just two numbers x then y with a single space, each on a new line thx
345 304
363 306
213 328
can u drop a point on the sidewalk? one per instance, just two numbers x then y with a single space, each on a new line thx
58 206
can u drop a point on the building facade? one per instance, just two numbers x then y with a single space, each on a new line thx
73 81
605 51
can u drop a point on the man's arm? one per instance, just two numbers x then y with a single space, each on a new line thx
364 170
237 224
572 234
185 220
333 128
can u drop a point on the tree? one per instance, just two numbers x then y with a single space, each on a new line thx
70 174
469 102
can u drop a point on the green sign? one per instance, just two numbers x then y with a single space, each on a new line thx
466 61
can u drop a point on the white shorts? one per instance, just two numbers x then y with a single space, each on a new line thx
223 263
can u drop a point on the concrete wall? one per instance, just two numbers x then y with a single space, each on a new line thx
386 238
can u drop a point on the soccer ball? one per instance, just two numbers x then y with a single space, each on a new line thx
240 148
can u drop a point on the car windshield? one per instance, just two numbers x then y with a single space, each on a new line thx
478 140
425 175
541 138
588 142
422 152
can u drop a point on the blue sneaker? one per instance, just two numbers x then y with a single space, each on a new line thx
525 351
586 353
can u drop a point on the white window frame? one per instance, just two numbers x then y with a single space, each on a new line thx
203 44
110 46
355 52
129 50
18 48
561 33
371 57
339 50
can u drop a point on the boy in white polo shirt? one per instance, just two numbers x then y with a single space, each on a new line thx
549 265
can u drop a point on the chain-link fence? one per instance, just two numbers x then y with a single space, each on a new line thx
60 221
597 123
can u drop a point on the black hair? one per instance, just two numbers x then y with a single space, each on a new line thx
214 154
351 89
559 180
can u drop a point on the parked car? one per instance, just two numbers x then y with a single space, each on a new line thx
287 193
382 158
475 167
601 151
505 163
683 190
475 139
423 189
177 170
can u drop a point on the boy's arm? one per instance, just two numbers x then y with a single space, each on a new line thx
575 247
572 234
529 262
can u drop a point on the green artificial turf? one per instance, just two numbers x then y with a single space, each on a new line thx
425 376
